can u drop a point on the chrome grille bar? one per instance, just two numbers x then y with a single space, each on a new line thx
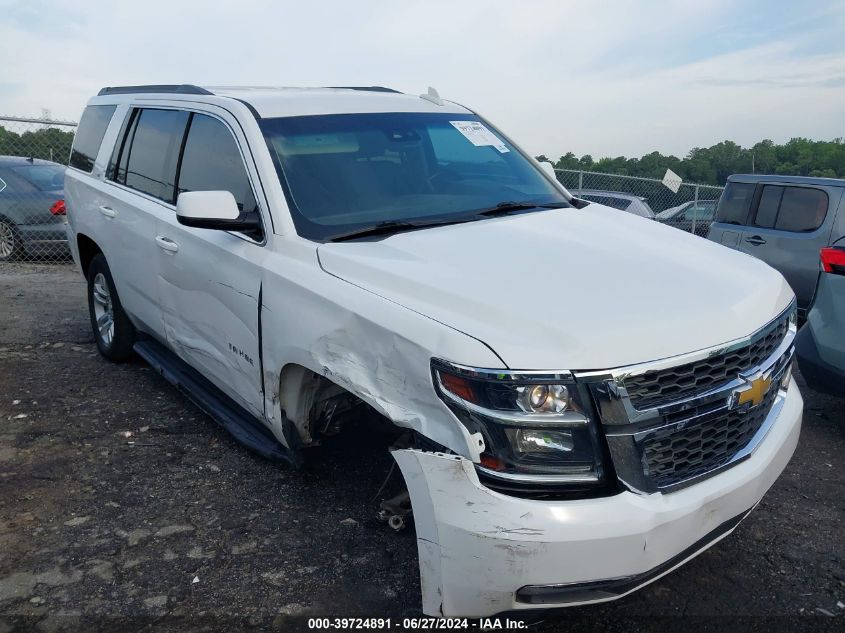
694 435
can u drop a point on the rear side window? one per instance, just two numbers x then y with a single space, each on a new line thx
735 203
148 160
212 162
801 209
89 136
767 208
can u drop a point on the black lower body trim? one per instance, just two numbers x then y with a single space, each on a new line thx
239 422
615 587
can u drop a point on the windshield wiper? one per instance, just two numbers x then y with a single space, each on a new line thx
397 226
510 205
390 226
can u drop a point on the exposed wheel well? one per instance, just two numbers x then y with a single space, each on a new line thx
87 250
316 405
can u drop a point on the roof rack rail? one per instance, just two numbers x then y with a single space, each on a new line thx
366 88
183 89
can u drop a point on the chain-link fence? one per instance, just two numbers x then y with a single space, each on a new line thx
691 209
33 155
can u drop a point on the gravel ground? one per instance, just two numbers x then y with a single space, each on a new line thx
122 507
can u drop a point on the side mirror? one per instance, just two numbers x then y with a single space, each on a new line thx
548 168
213 210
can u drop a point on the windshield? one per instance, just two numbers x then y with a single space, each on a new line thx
701 212
669 213
44 177
347 172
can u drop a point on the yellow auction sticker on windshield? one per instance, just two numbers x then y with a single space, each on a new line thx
479 135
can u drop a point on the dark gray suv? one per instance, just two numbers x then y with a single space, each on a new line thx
820 344
785 221
32 208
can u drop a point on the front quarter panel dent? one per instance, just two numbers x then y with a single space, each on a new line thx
373 348
382 374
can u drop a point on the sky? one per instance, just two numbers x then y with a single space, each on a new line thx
605 78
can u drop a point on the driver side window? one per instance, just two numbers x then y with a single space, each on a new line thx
212 161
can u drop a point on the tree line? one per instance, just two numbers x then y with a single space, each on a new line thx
49 143
712 165
704 165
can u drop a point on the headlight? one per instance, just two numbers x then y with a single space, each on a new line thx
535 426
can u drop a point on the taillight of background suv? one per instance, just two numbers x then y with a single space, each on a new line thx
833 259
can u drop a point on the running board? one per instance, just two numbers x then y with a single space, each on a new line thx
239 422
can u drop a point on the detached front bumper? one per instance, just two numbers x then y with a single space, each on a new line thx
483 553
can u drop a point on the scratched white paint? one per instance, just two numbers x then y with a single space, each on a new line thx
374 348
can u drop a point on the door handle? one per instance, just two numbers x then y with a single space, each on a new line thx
107 211
167 244
756 240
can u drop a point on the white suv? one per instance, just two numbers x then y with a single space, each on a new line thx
592 399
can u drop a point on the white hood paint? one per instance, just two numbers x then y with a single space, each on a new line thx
577 289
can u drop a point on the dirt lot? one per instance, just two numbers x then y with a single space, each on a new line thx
122 507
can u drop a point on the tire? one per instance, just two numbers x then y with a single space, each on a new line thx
11 246
113 331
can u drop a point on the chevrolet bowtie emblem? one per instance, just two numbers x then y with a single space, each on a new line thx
752 393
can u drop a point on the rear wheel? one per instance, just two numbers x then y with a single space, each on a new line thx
10 242
113 331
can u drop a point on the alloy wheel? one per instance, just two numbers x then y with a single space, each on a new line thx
7 240
103 309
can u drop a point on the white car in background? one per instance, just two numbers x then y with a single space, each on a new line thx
574 431
617 200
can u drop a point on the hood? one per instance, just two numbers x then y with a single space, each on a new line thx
577 289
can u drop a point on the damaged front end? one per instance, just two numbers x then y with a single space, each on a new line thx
540 521
539 432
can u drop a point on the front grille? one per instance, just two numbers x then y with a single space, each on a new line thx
680 452
659 387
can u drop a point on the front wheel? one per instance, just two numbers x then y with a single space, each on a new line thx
113 331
